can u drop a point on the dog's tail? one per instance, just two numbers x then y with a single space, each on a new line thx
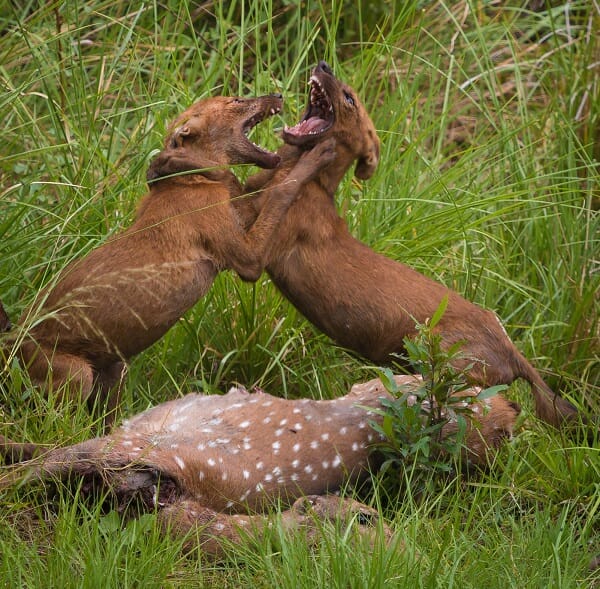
549 406
5 323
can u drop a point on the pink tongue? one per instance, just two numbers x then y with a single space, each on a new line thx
308 126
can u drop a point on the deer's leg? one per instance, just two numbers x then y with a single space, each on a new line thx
312 511
206 528
213 531
13 452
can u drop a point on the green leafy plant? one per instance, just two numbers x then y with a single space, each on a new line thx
414 419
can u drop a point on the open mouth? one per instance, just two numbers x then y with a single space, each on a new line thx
268 159
319 116
254 120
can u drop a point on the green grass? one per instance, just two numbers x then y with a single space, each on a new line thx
488 181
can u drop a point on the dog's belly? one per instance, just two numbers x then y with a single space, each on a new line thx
122 312
362 300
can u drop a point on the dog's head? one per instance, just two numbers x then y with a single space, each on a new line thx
214 132
334 110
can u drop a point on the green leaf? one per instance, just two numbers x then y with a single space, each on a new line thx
386 376
439 312
491 391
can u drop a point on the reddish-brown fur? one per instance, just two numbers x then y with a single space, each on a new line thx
198 455
124 295
363 300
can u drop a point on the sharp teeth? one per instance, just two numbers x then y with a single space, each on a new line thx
316 82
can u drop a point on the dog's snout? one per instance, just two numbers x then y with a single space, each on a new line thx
324 66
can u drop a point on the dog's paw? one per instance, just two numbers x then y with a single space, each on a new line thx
324 152
313 161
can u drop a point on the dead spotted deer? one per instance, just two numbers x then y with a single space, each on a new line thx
363 300
206 462
123 296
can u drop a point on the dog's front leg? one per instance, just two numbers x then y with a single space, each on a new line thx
248 255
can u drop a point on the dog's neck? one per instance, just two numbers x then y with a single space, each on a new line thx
221 175
330 176
177 165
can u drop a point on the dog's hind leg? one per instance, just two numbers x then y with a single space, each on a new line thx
5 323
109 382
68 375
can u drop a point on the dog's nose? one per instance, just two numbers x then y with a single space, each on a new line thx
323 65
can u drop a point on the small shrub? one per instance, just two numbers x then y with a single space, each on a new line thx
415 446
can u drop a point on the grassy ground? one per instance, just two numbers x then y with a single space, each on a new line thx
489 120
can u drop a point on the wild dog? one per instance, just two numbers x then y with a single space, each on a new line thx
123 296
363 300
198 457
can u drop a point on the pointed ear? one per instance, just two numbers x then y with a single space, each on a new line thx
176 138
367 163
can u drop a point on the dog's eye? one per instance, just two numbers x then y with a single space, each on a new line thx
349 98
238 100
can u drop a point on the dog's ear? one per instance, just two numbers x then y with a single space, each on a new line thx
367 163
176 139
167 163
